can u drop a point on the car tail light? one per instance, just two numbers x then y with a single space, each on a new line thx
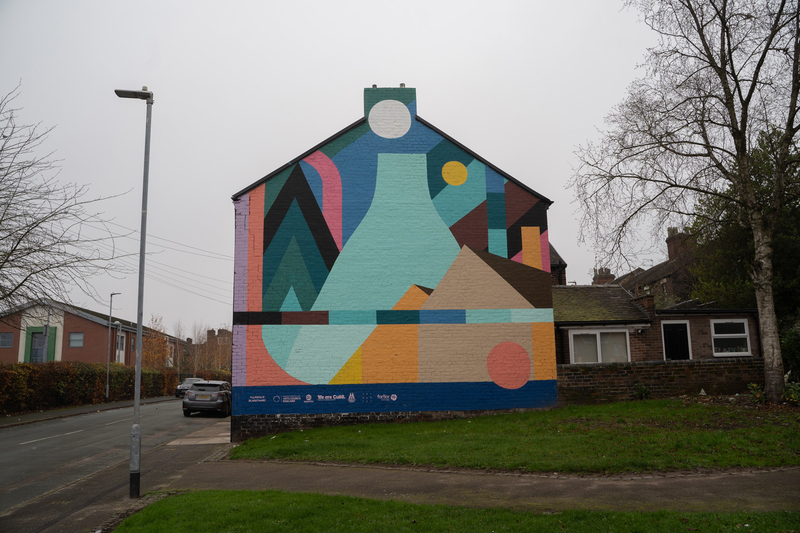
190 396
215 396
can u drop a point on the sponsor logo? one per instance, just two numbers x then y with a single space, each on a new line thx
330 397
257 399
352 398
292 398
387 397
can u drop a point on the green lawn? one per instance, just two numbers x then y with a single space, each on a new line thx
645 436
273 511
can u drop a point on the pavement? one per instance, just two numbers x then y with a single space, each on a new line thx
198 461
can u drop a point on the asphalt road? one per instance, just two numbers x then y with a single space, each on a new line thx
41 457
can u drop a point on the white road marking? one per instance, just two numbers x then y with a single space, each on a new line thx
53 437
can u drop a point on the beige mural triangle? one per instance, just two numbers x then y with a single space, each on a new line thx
350 373
470 283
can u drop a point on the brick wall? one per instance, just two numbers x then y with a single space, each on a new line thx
617 381
10 324
95 340
254 426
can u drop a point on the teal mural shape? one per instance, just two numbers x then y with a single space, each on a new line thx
279 340
319 352
455 202
442 153
391 250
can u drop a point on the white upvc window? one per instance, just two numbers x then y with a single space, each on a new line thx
76 340
599 346
730 337
6 340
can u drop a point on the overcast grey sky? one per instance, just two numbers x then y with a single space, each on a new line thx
243 87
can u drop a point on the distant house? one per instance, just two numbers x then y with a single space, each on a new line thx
75 334
670 281
390 269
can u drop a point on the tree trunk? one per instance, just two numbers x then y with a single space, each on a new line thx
768 321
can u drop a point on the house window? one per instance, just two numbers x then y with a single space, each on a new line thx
730 337
120 343
599 346
76 340
133 344
6 340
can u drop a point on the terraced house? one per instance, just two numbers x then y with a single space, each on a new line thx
389 271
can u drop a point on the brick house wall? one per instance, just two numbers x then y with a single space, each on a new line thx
95 340
10 324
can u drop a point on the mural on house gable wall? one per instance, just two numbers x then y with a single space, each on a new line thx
391 271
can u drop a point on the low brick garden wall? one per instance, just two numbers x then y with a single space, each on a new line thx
251 426
618 381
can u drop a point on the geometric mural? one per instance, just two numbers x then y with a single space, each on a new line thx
391 269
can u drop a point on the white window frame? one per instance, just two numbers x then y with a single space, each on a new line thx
746 335
688 334
10 336
75 344
597 333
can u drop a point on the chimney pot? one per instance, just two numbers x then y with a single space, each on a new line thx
402 85
374 85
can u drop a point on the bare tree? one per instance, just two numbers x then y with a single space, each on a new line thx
725 72
201 358
155 344
179 331
45 250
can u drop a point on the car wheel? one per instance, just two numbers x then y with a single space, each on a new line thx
186 412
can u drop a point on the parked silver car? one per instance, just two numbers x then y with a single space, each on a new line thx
181 389
212 396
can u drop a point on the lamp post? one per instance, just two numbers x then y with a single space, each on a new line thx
108 359
136 432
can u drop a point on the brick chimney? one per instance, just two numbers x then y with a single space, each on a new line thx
677 243
602 276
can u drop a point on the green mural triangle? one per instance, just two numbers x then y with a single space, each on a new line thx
291 303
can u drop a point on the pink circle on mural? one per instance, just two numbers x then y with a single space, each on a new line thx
509 365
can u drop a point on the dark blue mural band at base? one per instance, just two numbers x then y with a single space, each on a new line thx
388 397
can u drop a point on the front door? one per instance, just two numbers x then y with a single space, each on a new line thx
676 341
38 348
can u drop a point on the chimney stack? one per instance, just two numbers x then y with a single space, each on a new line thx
602 276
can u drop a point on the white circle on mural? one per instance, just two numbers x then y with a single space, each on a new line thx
390 119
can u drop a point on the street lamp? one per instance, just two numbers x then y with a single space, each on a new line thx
136 431
108 359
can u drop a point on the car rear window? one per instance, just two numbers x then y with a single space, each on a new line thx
205 387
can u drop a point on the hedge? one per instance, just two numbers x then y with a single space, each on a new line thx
26 387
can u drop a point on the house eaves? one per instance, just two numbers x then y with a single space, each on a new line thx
363 120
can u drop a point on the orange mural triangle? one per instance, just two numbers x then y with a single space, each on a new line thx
413 299
350 373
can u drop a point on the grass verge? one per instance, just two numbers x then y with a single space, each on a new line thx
258 511
630 437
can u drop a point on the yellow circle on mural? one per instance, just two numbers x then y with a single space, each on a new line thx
454 173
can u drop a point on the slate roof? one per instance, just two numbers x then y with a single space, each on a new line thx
88 314
555 257
595 304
